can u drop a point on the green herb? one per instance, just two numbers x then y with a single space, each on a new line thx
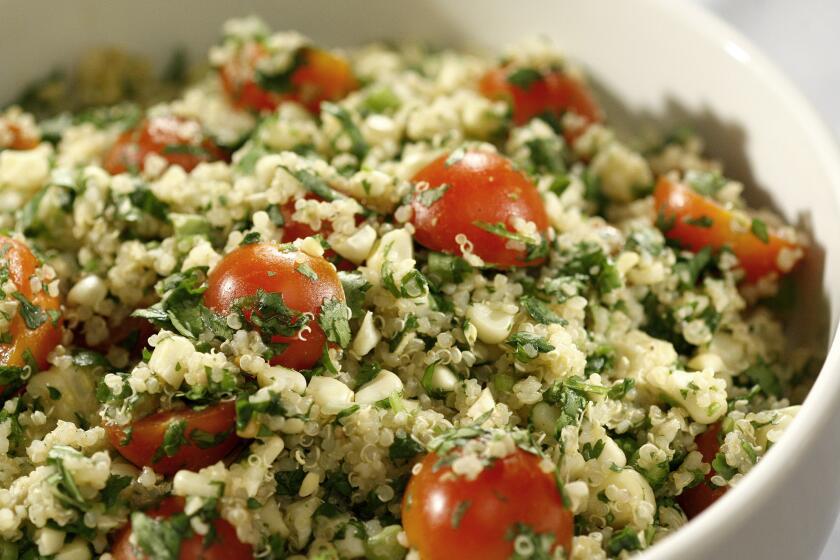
358 145
33 316
455 157
248 162
333 319
160 538
527 346
535 250
173 439
270 314
206 440
702 221
620 389
696 265
65 488
404 448
186 149
625 539
448 269
412 285
111 493
601 359
721 467
89 358
381 100
288 482
144 200
355 287
546 155
570 401
524 78
432 195
761 373
706 183
540 312
759 229
307 271
250 238
589 264
315 184
54 393
590 451
459 512
281 82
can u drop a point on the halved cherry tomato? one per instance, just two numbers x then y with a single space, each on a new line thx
471 195
208 435
17 138
320 76
28 344
694 500
224 545
553 92
178 140
696 221
448 516
305 282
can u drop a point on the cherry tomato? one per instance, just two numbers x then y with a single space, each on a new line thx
18 139
552 92
208 436
305 282
28 344
448 516
476 192
225 545
694 500
320 76
696 221
177 140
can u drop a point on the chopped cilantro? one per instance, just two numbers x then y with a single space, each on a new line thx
759 229
358 145
527 346
540 312
524 78
432 195
307 271
33 316
333 319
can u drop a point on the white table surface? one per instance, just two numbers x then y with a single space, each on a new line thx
801 37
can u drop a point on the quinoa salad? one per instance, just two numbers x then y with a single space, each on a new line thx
384 302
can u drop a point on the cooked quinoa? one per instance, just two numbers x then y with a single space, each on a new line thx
606 359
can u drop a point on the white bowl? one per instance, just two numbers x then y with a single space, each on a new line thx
664 60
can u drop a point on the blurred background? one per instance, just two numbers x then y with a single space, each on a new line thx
802 38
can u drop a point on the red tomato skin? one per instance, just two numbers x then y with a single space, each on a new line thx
22 264
681 204
246 269
555 93
227 545
322 76
147 437
483 187
694 500
512 490
153 136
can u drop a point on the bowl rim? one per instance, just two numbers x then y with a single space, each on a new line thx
825 393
